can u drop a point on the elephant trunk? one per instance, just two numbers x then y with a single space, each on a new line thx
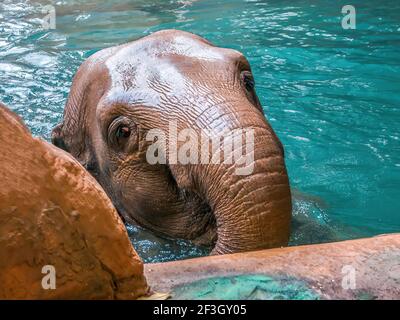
255 211
252 209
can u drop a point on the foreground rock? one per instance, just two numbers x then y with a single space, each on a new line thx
53 213
356 269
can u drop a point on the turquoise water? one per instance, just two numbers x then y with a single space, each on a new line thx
332 95
246 287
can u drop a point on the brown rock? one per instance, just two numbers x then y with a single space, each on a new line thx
52 212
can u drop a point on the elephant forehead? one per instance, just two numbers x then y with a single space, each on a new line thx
179 43
145 83
161 66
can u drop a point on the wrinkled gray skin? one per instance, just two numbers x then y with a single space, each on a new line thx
175 75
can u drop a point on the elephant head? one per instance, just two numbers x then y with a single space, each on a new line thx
174 80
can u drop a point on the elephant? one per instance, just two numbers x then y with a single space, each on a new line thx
122 93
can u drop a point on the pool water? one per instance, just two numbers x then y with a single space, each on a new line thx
332 95
246 287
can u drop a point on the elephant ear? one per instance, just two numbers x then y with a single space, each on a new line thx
73 134
70 135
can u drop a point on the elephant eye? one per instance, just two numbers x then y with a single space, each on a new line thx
119 130
248 80
123 132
